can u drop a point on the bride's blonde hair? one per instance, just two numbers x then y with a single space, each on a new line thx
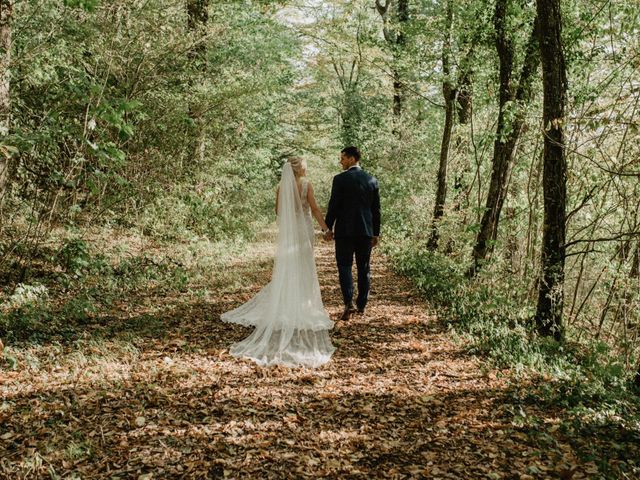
299 166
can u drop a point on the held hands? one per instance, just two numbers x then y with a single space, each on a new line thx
374 241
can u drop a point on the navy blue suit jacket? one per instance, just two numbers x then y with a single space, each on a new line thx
354 206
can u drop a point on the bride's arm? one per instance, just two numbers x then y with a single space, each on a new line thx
317 214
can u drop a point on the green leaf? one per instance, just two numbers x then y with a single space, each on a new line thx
88 5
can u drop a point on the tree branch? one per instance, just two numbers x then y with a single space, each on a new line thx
619 236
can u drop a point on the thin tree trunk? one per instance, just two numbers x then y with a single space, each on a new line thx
402 17
449 95
507 133
512 241
6 11
634 274
394 35
350 116
464 98
464 85
635 266
551 286
464 110
349 111
197 18
397 94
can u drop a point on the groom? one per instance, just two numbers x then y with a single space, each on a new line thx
354 208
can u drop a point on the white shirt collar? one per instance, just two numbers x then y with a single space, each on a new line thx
357 167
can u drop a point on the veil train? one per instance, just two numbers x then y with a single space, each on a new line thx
291 324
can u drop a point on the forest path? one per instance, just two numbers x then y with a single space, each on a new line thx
399 399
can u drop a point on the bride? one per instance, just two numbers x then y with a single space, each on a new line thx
291 324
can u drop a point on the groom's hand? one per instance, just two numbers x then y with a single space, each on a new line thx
328 236
374 241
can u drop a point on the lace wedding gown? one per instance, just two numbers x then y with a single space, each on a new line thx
291 324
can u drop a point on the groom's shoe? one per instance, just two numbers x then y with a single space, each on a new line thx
348 310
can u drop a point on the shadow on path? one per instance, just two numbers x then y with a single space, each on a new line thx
399 399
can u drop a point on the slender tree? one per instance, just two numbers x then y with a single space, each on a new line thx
554 177
350 114
449 95
464 109
634 274
465 94
6 12
399 92
351 74
197 18
508 130
394 34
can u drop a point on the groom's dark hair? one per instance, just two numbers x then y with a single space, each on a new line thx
352 152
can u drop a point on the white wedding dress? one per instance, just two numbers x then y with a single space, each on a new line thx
291 324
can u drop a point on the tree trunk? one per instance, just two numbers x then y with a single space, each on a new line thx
402 17
512 241
554 178
397 94
464 96
464 111
197 18
394 35
350 115
6 11
449 94
465 85
634 274
635 265
350 110
507 132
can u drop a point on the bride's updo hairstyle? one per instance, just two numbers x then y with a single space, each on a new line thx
299 166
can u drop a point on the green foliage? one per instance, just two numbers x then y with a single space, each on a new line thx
122 116
495 319
25 312
433 274
74 256
131 273
79 309
91 283
135 124
89 5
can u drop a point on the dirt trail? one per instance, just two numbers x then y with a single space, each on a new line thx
400 399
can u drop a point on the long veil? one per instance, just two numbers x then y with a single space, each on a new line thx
291 324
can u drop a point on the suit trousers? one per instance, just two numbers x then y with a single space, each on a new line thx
346 249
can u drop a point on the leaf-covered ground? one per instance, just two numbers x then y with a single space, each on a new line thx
151 392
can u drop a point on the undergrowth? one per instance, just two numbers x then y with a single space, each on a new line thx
494 316
88 281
